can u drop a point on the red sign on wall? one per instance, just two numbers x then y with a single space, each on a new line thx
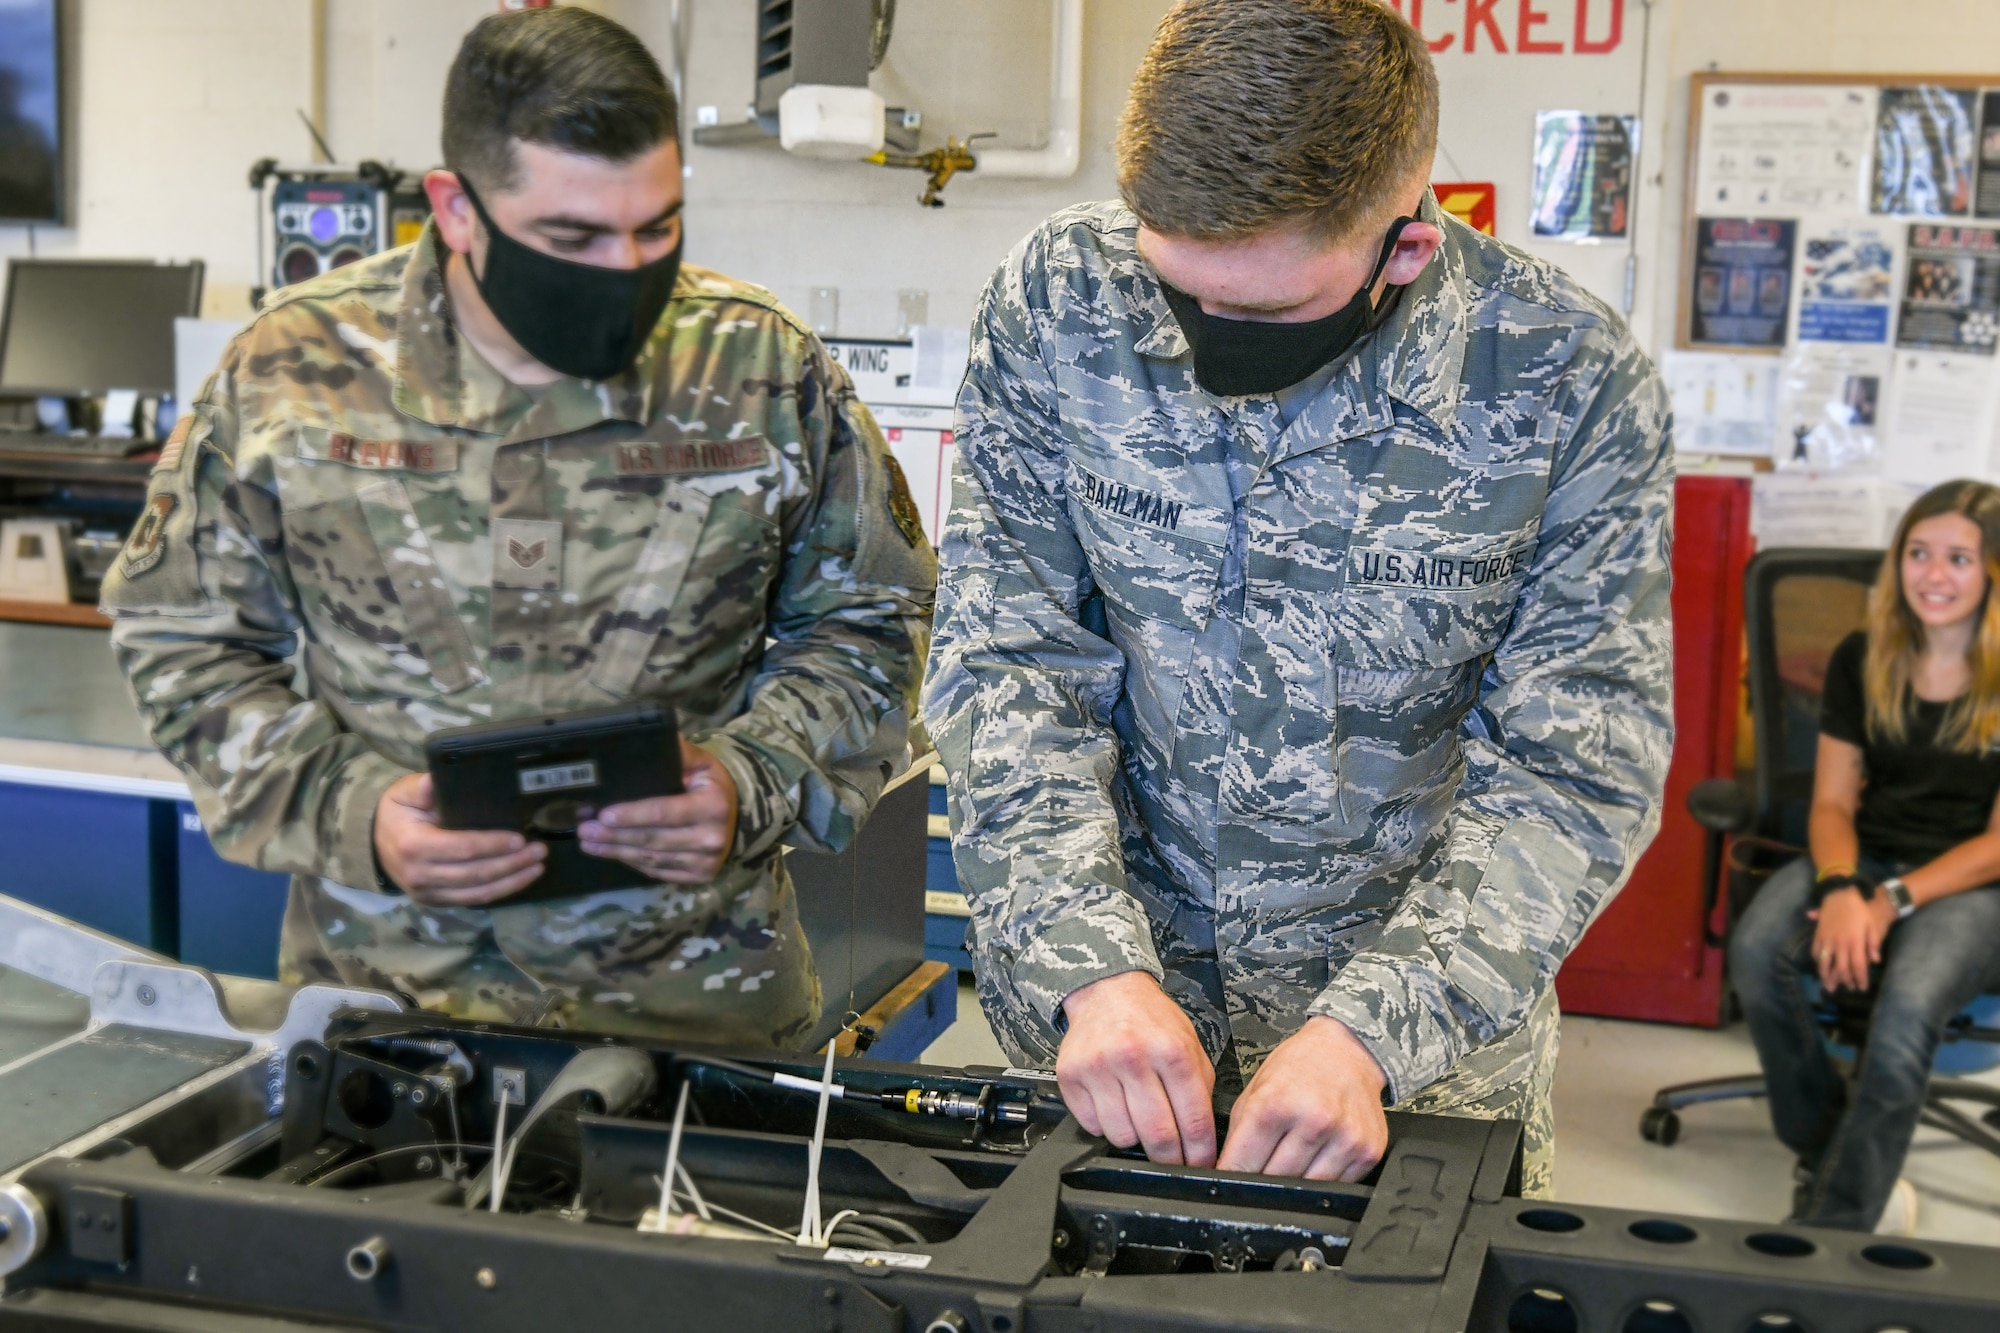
1472 203
1518 27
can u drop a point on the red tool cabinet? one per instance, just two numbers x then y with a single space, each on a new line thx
1648 955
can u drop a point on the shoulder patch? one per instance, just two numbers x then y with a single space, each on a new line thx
148 541
903 505
170 454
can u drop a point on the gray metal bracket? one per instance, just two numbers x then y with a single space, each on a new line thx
60 952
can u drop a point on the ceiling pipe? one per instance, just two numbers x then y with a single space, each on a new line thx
1059 156
316 77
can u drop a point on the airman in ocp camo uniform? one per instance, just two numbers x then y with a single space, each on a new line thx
1302 648
715 523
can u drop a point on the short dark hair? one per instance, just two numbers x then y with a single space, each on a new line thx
1247 114
561 76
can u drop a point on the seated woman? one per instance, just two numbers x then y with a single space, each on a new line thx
1905 841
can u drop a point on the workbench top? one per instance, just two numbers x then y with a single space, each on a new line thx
66 720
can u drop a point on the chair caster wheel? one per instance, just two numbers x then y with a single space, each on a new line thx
1660 1125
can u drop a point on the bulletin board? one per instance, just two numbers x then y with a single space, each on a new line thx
1839 298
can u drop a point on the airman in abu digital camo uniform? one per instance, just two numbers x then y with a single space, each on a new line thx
1302 654
528 465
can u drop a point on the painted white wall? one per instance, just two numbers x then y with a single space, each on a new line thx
170 104
970 66
1490 92
173 99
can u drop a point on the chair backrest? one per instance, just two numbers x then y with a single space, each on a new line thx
1800 603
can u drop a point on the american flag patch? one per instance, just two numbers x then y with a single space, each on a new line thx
170 455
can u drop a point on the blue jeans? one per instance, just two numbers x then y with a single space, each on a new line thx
1853 1140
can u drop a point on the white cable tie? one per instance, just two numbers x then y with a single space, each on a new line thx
744 1219
499 1162
673 1155
826 1237
807 1085
457 1135
810 1231
700 1204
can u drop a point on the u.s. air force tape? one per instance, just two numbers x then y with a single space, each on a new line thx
1435 570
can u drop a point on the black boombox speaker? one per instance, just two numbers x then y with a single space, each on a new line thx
322 217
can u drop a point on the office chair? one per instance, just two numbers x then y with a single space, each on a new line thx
1799 604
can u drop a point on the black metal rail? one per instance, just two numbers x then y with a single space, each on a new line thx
350 1218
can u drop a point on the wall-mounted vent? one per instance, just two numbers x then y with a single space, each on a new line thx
774 44
812 41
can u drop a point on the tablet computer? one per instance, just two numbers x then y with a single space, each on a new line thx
544 776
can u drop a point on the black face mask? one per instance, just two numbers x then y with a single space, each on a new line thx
583 320
1234 357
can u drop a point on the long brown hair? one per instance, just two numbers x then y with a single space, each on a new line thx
1896 636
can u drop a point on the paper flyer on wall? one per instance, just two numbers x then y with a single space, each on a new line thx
1583 175
1986 195
1723 404
1924 152
1826 509
1742 281
1830 389
1951 290
1784 148
1830 406
1846 282
1939 417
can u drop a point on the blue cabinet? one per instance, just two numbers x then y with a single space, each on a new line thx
142 868
92 857
229 914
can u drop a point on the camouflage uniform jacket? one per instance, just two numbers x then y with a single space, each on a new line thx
1371 709
720 527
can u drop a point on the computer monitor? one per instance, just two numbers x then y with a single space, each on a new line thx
77 327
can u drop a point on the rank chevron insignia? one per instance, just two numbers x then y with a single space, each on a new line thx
527 554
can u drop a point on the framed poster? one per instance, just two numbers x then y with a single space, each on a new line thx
1951 290
1583 175
1742 282
1986 192
1767 148
1924 152
1846 283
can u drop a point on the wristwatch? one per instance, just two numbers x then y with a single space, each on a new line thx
1899 897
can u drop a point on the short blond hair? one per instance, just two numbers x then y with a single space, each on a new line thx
1249 114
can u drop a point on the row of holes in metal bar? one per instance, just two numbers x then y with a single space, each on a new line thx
1546 1311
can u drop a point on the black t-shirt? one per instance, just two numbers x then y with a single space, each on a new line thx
1919 800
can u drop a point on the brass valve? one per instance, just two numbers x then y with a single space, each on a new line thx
942 164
